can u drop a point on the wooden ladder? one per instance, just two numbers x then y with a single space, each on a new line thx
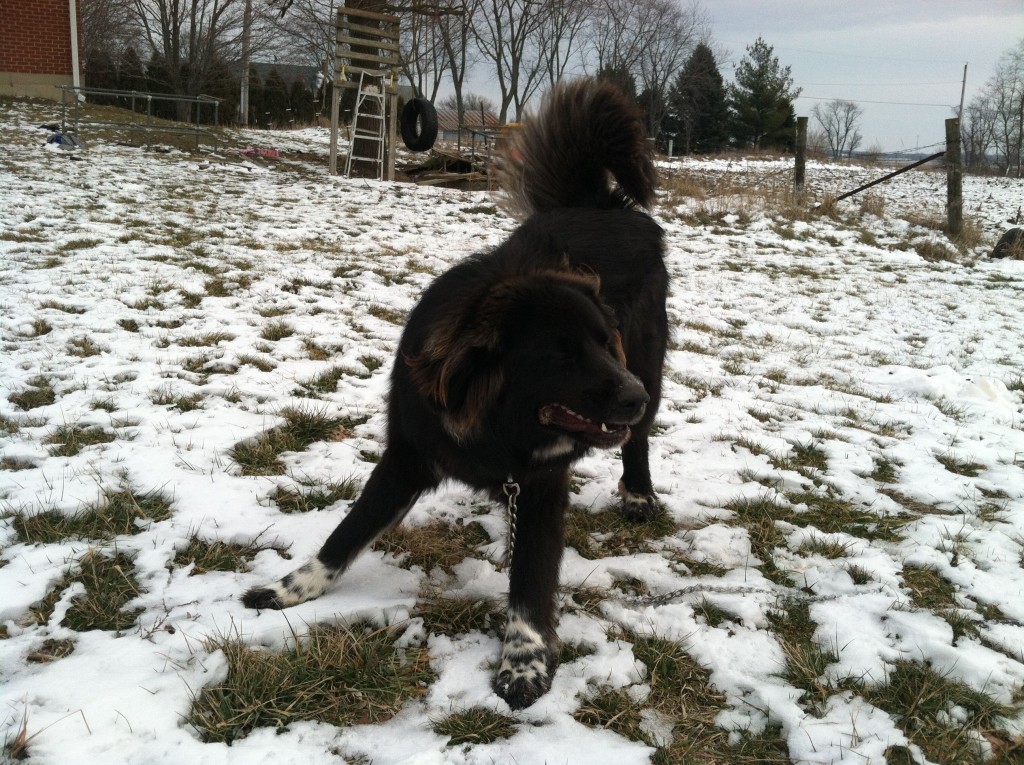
368 122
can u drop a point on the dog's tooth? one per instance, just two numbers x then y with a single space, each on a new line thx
604 427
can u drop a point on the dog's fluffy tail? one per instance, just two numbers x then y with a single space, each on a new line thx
587 133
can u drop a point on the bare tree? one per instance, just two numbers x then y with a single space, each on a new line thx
993 123
838 120
615 36
506 34
561 35
457 34
423 54
190 37
106 25
977 132
671 32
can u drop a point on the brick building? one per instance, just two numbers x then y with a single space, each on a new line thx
36 51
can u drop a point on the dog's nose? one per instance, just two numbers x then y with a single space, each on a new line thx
631 402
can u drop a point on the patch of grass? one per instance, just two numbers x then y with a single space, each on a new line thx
83 347
436 545
51 650
832 515
385 313
951 409
681 698
712 614
41 327
314 496
166 397
443 615
56 305
252 360
608 532
333 675
806 660
326 381
372 363
885 470
15 464
206 556
128 325
758 516
928 588
954 464
317 352
921 701
828 548
474 726
859 575
205 340
277 330
260 455
109 586
40 393
78 244
115 514
69 440
911 504
802 455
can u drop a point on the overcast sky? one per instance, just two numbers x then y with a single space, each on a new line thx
909 52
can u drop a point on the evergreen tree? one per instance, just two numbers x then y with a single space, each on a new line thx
131 73
698 109
761 101
275 103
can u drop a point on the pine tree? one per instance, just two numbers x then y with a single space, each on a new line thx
697 104
761 100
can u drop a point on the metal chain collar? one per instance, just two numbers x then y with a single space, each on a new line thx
511 489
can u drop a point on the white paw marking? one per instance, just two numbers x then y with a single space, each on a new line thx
311 580
524 652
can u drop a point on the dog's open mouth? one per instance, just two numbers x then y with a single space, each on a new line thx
604 435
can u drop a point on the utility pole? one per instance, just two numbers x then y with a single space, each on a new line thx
243 101
963 88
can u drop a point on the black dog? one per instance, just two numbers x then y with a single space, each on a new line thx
517 362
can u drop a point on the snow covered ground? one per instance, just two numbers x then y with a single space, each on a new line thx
823 375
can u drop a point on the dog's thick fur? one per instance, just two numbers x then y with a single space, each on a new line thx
517 362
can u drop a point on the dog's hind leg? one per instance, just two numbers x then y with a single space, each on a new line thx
393 487
528 653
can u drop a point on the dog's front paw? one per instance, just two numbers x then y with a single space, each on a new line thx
305 583
527 663
640 508
522 682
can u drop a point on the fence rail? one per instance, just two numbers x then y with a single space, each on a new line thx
133 99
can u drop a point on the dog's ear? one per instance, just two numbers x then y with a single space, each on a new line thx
459 371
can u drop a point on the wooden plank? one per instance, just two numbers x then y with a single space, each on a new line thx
387 33
358 58
385 64
348 84
367 43
356 13
354 70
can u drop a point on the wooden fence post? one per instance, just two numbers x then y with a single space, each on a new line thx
954 180
801 154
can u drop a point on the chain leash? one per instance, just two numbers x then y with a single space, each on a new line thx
511 489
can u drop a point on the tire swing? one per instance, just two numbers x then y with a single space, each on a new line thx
419 124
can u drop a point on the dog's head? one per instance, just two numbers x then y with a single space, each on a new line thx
537 357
